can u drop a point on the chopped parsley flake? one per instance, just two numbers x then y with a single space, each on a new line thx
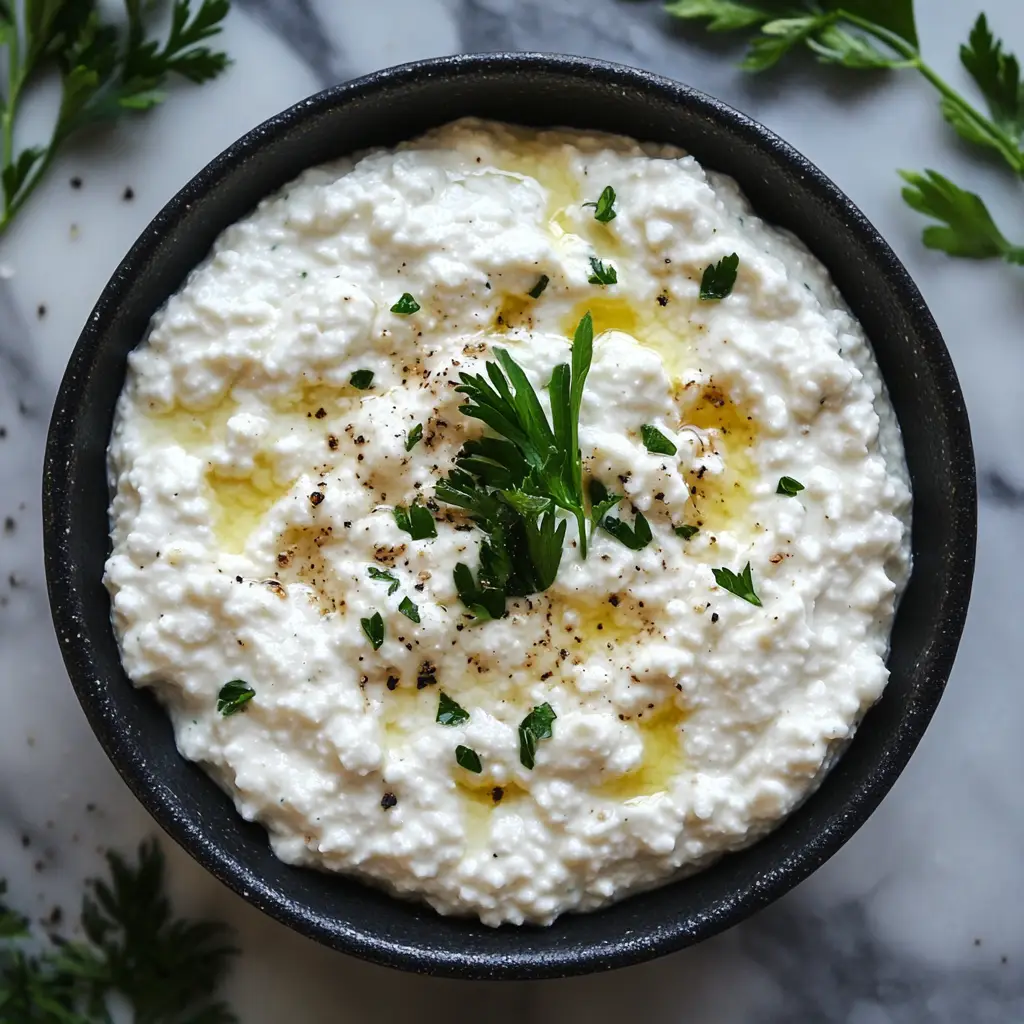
416 521
604 208
469 759
409 610
414 437
741 585
536 726
449 712
602 273
719 278
234 696
406 305
789 487
655 441
636 538
373 627
361 379
686 532
384 576
538 289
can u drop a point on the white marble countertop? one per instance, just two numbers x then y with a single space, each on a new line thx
915 920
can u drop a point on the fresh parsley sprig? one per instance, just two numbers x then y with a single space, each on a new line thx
104 73
512 484
882 34
166 969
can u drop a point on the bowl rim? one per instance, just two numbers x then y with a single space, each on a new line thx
66 604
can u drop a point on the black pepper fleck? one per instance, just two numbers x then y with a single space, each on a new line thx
315 498
714 616
388 800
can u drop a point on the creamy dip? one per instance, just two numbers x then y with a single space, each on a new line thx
257 468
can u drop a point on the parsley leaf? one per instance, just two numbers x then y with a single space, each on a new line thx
602 273
104 73
469 759
409 610
686 531
384 576
361 379
741 585
604 208
406 305
373 628
655 441
536 726
636 538
538 289
414 437
483 602
965 228
719 278
721 15
234 696
997 75
789 487
416 521
449 712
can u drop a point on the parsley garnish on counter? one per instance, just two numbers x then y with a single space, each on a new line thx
406 305
602 273
604 208
536 726
875 35
469 759
741 585
719 279
373 628
449 712
166 970
234 696
105 73
512 484
789 487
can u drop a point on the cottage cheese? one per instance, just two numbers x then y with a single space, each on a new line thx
254 488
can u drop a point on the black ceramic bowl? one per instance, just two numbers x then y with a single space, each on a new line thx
383 109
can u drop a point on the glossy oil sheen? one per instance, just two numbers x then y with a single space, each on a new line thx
541 90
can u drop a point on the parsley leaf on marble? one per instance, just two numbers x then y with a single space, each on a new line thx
601 273
469 759
604 208
406 305
384 576
409 610
414 437
742 585
655 441
538 289
450 712
686 531
536 726
789 487
234 696
105 73
512 484
361 379
373 628
965 227
719 279
635 537
416 521
132 951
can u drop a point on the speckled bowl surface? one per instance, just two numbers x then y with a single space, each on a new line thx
544 90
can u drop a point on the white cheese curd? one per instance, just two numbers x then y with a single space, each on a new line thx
255 488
